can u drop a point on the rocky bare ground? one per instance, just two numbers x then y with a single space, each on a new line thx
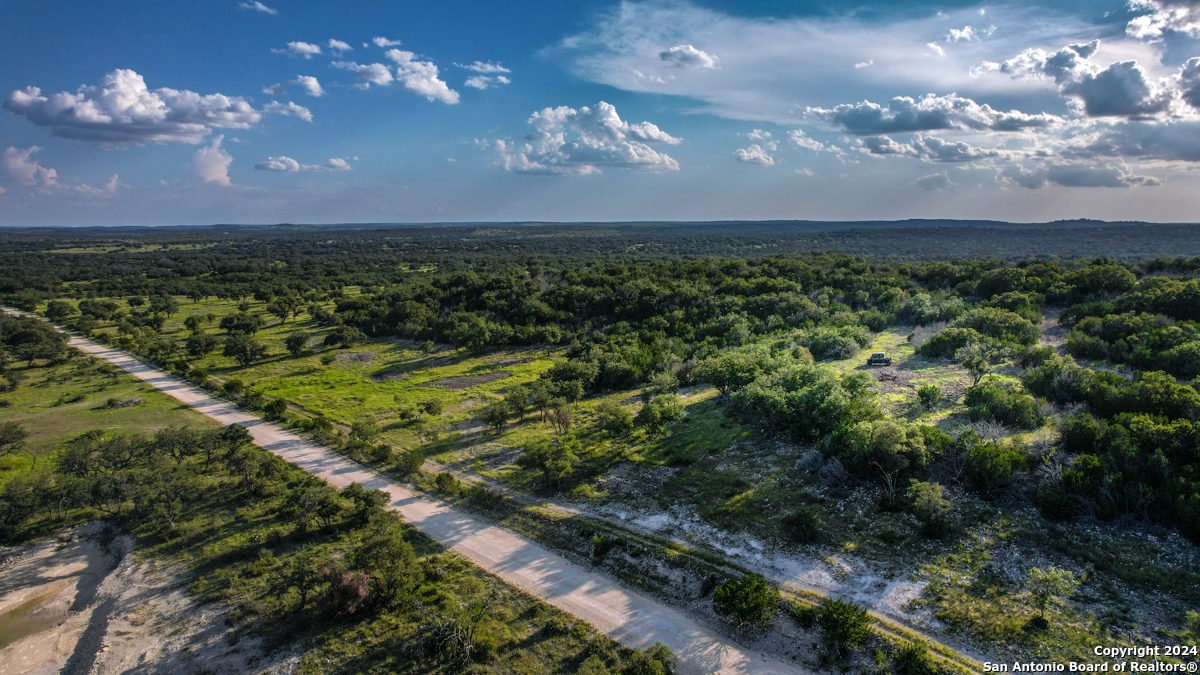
85 603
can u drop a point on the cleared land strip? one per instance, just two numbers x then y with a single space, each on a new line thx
628 617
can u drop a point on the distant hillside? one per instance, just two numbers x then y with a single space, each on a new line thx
909 240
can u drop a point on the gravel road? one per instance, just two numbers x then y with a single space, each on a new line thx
630 618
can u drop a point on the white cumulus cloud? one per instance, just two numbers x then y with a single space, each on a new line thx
122 109
1123 88
421 77
570 141
385 43
1074 175
798 137
284 164
1162 17
338 45
372 73
305 50
310 85
288 109
932 112
753 155
687 56
485 68
31 173
211 163
28 171
486 82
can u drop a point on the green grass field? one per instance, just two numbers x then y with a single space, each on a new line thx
58 402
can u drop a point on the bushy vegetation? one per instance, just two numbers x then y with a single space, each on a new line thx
1003 402
609 358
748 602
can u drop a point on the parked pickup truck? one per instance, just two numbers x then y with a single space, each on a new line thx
879 359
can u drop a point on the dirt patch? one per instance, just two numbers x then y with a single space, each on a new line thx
385 376
891 379
629 478
499 457
82 602
1053 334
468 381
356 357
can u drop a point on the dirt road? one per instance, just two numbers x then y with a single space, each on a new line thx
628 617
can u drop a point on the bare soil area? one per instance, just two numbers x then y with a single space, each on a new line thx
389 376
83 603
1053 334
468 381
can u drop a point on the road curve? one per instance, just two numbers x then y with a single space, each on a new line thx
624 615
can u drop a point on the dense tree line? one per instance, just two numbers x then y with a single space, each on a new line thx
757 328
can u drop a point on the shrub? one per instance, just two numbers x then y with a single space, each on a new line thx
946 343
614 418
989 465
922 310
447 483
803 524
805 616
659 412
233 387
328 359
734 369
1003 403
343 336
887 447
1191 622
495 415
485 498
656 660
929 395
1000 325
930 506
999 281
410 462
554 459
1046 584
364 430
297 342
914 659
275 408
381 453
836 343
1026 305
808 401
748 602
844 625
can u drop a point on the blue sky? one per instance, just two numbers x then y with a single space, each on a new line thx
151 113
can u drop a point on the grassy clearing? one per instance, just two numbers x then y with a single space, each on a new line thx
55 403
373 380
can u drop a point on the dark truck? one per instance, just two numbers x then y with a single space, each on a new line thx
879 359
